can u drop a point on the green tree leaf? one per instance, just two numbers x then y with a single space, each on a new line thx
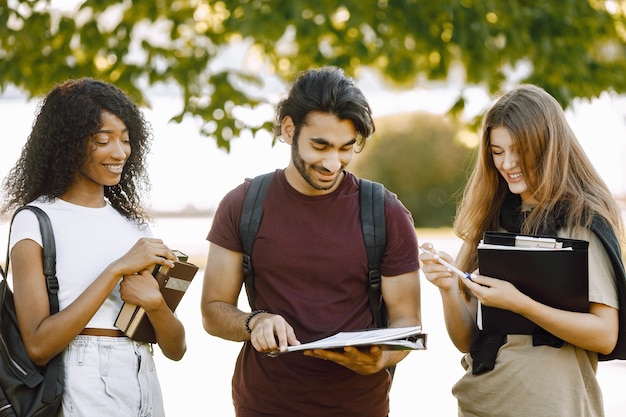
572 48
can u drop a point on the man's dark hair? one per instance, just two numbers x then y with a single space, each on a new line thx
326 90
67 119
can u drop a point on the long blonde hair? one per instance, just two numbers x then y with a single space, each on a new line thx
554 165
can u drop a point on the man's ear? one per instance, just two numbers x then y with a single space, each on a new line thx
287 129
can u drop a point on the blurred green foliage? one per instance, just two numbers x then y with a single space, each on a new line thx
572 48
420 157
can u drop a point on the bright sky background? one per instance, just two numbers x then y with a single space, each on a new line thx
186 168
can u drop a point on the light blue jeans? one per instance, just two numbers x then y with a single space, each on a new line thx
110 376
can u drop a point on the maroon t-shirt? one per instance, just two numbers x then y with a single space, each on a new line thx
310 266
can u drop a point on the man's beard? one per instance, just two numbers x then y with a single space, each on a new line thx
301 167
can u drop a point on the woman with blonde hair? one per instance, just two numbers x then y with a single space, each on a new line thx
533 177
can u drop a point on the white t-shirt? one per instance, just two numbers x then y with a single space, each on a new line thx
87 241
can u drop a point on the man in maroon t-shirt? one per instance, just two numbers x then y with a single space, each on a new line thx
310 267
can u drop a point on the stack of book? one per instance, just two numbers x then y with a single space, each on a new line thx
173 282
550 270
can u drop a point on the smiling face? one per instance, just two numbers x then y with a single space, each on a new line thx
107 151
506 161
319 154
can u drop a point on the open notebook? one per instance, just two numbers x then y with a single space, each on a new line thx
402 338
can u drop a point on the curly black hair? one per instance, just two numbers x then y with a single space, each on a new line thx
56 148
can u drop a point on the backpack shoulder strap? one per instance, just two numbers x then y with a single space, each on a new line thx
53 369
372 223
611 244
49 254
372 200
251 215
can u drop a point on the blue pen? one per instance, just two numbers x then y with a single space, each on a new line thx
448 265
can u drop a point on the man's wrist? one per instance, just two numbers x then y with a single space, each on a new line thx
250 316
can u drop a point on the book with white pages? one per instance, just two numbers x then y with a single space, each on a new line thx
397 338
550 270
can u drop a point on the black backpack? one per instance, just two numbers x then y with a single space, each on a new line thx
28 390
611 244
372 195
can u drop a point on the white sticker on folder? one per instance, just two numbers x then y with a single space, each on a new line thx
177 284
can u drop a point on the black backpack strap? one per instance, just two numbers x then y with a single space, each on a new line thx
52 283
49 254
251 215
611 244
373 225
372 222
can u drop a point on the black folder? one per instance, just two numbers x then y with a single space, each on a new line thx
558 278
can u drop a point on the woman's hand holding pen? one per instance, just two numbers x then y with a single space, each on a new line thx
435 271
459 311
439 269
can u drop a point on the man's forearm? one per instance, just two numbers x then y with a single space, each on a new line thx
225 321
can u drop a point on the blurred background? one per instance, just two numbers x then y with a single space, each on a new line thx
208 75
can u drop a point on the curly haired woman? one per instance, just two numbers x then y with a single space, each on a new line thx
84 165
